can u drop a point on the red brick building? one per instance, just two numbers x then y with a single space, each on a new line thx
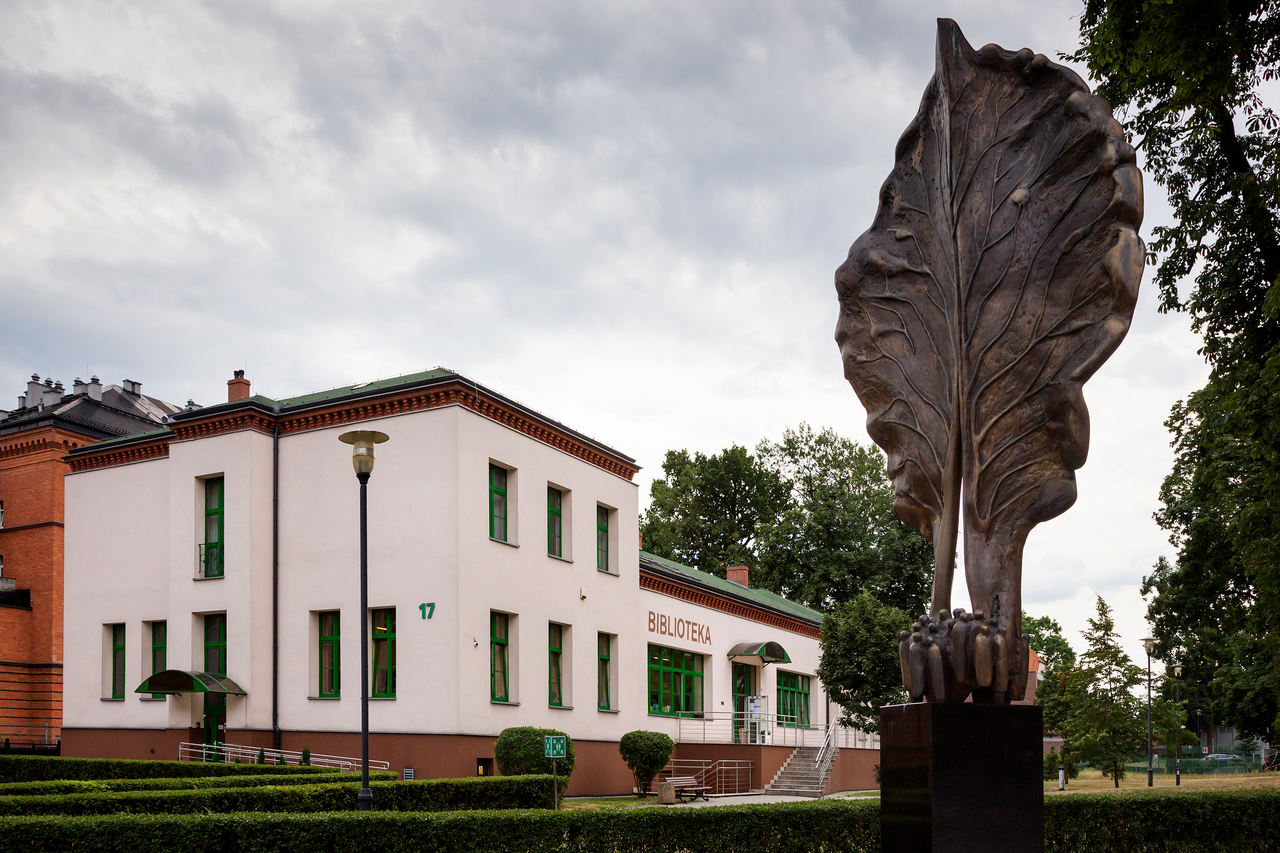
47 423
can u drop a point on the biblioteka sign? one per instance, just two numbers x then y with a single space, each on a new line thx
681 629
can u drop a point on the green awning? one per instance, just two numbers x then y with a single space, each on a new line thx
761 653
184 681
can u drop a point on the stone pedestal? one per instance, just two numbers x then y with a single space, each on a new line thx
666 793
961 777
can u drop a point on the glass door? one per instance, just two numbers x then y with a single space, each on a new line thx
744 686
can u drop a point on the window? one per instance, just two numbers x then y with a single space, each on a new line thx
604 657
1 514
117 661
555 647
499 658
215 643
675 682
555 522
602 538
384 653
497 502
330 655
793 699
159 650
211 552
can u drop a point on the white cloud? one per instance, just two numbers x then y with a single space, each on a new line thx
626 215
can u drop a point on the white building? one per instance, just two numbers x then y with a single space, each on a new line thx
506 588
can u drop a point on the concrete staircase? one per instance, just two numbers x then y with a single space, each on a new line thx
799 777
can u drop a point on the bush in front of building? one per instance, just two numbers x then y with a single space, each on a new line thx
479 793
646 753
821 825
519 751
177 783
35 768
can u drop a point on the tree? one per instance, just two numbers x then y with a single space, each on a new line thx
1187 79
646 753
707 510
1104 723
1046 638
811 516
838 535
859 664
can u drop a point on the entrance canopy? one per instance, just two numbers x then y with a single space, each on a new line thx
759 653
184 681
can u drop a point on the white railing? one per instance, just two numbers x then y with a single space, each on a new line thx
825 750
231 753
720 777
770 729
735 727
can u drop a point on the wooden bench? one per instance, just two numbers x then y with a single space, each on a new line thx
687 786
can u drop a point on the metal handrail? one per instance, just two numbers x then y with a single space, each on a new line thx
209 562
826 744
233 753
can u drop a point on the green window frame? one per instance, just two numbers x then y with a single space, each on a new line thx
793 699
555 650
498 502
330 686
117 661
675 682
215 643
602 538
212 561
555 522
159 650
604 645
383 625
499 657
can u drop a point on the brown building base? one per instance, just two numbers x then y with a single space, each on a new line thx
598 769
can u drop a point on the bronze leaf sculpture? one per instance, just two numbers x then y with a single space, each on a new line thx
1000 272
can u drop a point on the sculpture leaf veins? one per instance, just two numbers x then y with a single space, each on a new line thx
1001 270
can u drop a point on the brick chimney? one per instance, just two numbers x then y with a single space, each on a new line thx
237 387
737 574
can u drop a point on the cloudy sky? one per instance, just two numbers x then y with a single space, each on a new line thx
623 214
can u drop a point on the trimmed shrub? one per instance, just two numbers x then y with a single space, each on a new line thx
1049 766
520 751
262 756
1142 822
495 792
305 760
34 768
646 753
176 783
849 825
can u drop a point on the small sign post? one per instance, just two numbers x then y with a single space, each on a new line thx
553 747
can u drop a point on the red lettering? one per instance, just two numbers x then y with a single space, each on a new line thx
653 622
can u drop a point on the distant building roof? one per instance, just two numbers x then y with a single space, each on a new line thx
93 409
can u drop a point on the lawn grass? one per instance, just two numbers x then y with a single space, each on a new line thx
1093 782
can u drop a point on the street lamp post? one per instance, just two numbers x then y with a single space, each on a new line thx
1177 700
1149 643
362 442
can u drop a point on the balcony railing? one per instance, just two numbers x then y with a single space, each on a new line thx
209 560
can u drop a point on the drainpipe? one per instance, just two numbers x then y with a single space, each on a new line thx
275 586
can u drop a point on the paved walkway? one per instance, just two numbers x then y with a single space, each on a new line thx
748 799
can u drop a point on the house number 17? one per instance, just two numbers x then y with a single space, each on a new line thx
428 609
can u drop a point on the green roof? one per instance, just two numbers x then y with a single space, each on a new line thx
365 387
761 597
125 439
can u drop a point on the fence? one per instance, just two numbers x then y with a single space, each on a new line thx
768 729
1197 766
721 777
234 754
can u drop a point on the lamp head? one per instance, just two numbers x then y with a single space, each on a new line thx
362 442
1148 643
1177 670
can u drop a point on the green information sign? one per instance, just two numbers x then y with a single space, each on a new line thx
554 746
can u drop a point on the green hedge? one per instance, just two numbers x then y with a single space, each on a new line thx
175 783
493 792
774 828
37 768
1161 821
